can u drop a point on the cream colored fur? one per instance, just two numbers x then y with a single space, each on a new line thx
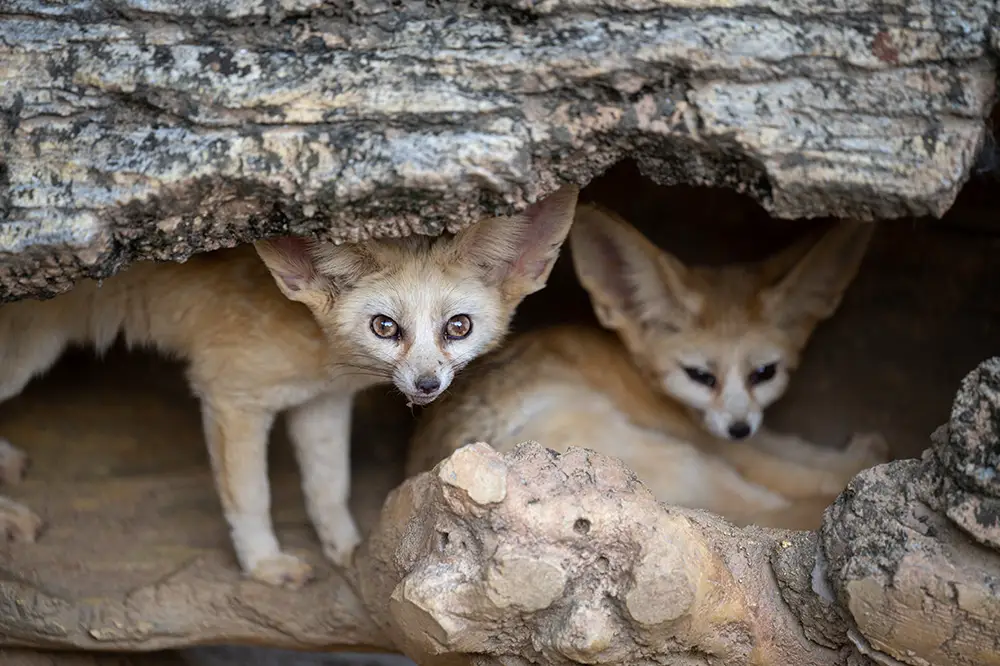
695 358
253 352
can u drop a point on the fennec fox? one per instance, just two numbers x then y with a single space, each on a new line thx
412 312
679 393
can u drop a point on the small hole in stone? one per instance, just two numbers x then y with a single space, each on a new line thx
445 538
602 563
581 526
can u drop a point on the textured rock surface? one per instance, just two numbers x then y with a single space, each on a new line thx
575 562
907 545
968 448
144 128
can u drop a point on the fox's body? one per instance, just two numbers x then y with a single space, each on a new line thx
302 331
642 395
221 311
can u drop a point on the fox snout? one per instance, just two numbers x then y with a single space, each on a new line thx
733 425
428 384
735 415
421 385
739 429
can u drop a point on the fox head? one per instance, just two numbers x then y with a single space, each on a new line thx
416 310
720 341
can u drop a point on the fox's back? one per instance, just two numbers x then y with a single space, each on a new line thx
223 303
559 386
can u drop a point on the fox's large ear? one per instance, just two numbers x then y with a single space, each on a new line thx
292 266
516 254
808 282
633 284
311 271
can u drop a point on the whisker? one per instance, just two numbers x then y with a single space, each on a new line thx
344 370
356 366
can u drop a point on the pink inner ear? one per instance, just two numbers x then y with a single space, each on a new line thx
609 266
293 247
296 267
535 240
531 269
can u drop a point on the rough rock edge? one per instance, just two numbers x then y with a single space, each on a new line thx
904 544
126 136
536 557
968 452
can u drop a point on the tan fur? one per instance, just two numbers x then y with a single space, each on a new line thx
253 352
627 394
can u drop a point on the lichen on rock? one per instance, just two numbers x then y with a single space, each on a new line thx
133 129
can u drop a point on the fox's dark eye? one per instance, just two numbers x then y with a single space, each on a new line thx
385 327
458 327
701 376
764 373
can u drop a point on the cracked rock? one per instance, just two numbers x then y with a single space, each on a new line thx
134 130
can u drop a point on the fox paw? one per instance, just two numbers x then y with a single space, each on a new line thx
338 534
341 555
282 570
866 449
13 463
18 522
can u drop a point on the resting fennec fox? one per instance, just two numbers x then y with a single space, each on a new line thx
304 330
679 393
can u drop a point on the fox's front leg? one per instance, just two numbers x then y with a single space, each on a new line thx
13 463
237 444
797 468
17 522
320 431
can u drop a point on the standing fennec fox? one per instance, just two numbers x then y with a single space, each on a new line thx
412 311
679 393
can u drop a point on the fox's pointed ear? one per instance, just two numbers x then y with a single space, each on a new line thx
311 271
633 284
516 254
809 289
291 264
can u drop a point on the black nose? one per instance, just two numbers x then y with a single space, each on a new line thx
428 384
739 430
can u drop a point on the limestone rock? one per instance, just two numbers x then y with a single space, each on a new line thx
145 129
576 564
904 544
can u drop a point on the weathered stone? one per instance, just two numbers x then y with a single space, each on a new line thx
523 581
969 448
147 129
918 589
479 471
